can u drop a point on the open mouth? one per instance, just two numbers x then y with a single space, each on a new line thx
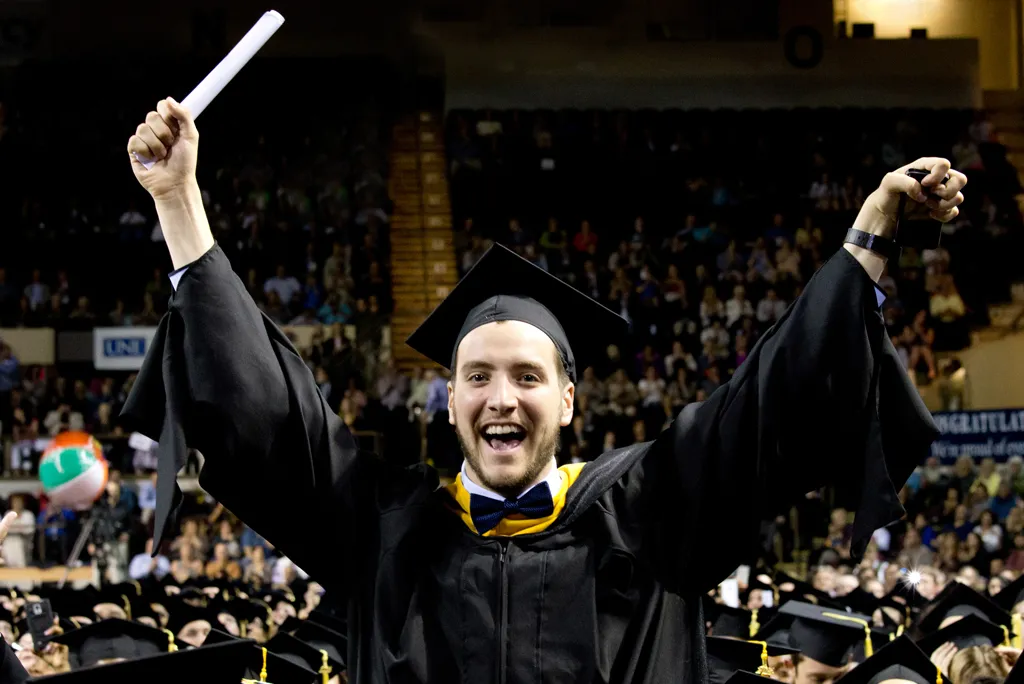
503 437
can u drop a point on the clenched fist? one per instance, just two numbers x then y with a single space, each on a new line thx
929 198
170 139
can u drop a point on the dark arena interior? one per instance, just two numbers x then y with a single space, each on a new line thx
558 341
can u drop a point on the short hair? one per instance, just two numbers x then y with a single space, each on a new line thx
562 374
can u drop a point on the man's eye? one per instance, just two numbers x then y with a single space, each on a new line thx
476 377
530 377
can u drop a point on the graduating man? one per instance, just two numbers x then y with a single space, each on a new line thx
521 571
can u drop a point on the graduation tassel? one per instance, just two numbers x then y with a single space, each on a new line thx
765 670
171 646
325 669
127 606
1006 635
899 631
263 672
755 626
938 675
1018 624
138 587
869 649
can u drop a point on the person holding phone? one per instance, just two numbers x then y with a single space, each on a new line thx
11 669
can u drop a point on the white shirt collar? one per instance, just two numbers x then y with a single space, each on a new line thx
554 480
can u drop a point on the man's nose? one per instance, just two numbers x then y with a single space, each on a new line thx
503 397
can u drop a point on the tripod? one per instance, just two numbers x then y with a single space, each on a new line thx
99 529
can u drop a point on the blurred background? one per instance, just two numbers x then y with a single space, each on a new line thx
690 163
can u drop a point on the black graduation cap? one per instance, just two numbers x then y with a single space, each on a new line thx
329 621
180 614
822 634
221 663
301 653
899 659
726 656
958 600
735 622
112 638
69 603
860 601
504 286
1011 595
744 677
1016 675
116 594
325 639
279 670
970 630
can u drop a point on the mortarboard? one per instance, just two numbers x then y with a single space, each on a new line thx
329 621
726 656
301 653
112 638
220 663
1011 595
744 677
734 622
803 591
181 614
968 631
1016 675
900 659
260 660
860 601
502 286
324 639
822 634
959 600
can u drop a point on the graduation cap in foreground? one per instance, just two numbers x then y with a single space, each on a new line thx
822 634
968 631
900 659
258 660
324 639
1011 595
956 601
301 653
221 663
503 286
726 656
112 638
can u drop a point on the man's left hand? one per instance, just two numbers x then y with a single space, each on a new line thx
931 197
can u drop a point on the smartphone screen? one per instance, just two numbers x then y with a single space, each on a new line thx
40 619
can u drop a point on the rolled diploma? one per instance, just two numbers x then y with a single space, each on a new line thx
209 87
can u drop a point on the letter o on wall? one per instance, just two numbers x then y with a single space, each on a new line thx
796 43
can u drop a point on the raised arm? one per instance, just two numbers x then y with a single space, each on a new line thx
822 399
222 378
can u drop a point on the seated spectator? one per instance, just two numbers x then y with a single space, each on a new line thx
737 306
949 312
285 286
187 566
990 533
146 566
585 239
257 570
226 536
1005 501
711 306
221 566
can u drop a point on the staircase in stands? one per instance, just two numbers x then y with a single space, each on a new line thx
423 266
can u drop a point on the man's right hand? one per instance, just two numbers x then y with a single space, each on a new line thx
169 138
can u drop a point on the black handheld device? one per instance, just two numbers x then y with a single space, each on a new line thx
915 233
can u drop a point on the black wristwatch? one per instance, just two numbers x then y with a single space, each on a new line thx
876 243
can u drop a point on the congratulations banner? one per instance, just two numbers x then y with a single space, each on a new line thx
980 434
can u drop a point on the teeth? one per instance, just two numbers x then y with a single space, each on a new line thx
502 429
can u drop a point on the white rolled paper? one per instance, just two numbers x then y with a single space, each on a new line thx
202 95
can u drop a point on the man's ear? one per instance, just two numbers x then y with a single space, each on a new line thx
568 399
451 403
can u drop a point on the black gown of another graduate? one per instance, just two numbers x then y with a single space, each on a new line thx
610 592
11 669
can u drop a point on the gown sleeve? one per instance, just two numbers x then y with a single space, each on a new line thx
822 399
11 669
220 377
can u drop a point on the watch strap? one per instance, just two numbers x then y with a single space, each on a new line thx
876 243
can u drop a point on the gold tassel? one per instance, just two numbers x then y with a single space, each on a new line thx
127 606
765 670
325 669
1018 627
869 649
138 587
755 626
263 672
243 628
171 646
938 675
899 631
1006 635
892 636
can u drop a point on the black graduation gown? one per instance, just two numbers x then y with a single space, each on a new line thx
611 591
11 669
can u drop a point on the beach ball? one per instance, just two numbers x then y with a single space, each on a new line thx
73 471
